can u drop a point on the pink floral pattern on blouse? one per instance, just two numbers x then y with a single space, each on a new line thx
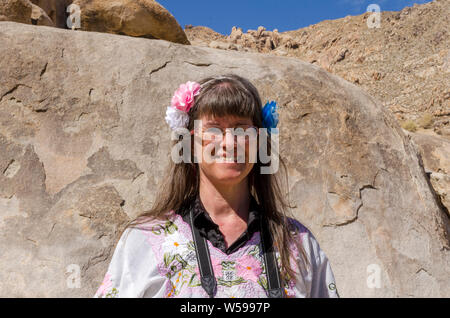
249 268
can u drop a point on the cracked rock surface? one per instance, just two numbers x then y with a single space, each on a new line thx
84 145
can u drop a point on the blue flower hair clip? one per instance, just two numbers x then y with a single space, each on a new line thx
270 115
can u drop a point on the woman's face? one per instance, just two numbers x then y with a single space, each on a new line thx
216 147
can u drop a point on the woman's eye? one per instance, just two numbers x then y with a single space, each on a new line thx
213 133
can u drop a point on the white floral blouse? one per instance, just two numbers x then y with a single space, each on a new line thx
158 259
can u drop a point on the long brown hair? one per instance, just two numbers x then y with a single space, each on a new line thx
231 95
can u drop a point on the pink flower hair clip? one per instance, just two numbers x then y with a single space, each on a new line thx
182 101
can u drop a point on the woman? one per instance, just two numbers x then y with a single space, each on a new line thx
219 227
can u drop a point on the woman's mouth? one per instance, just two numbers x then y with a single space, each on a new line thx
232 159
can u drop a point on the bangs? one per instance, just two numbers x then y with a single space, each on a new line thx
227 97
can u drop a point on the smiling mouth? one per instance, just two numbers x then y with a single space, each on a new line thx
232 160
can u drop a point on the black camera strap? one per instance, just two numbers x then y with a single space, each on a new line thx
207 277
275 289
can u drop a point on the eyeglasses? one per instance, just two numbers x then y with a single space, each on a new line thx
214 133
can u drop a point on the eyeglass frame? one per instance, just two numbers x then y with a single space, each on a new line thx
224 131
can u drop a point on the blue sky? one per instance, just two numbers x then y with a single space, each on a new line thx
284 15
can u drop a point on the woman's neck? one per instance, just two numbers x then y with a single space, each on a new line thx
225 202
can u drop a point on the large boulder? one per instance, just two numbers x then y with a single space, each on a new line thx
27 11
140 18
16 10
84 147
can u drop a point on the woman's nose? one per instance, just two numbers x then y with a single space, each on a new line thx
229 139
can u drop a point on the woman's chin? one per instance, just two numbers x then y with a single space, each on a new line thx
230 168
230 175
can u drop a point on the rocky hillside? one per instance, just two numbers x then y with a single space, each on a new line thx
405 63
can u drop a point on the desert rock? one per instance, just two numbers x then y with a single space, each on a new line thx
85 145
139 18
15 10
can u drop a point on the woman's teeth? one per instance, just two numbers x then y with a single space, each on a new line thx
231 159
